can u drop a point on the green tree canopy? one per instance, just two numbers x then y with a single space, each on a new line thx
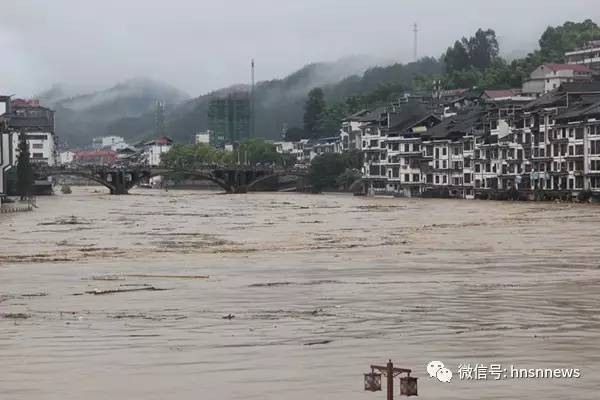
295 134
24 168
313 111
332 170
194 156
556 41
477 52
256 151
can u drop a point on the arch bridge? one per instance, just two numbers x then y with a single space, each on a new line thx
121 180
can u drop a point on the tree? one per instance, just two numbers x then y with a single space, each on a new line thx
194 156
334 170
476 52
330 121
295 134
313 110
24 168
483 48
347 178
324 169
457 57
556 41
256 151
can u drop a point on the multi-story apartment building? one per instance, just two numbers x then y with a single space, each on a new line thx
588 55
496 145
229 118
37 124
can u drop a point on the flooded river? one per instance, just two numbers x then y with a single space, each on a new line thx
197 295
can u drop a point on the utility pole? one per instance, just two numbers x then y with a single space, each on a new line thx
416 44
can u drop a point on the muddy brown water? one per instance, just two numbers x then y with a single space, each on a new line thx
315 287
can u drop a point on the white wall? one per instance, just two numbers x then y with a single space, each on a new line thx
153 153
5 157
203 138
42 147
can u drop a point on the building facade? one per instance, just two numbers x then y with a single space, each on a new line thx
229 119
588 55
37 123
115 143
154 149
495 147
548 77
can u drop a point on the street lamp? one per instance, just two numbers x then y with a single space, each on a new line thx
408 384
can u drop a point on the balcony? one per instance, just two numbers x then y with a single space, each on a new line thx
417 153
562 172
575 157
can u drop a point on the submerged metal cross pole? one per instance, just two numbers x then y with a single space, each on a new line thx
390 373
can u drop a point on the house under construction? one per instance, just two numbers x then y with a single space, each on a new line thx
229 118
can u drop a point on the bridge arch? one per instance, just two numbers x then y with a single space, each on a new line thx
276 174
91 177
356 186
196 174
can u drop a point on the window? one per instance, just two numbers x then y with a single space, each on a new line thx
444 151
406 147
444 179
406 178
437 179
37 155
416 178
477 167
467 179
36 137
444 164
37 145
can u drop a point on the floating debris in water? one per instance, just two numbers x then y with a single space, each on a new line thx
113 291
16 316
318 342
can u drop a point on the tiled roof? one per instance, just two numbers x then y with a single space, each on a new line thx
496 94
570 67
587 107
581 87
462 123
163 140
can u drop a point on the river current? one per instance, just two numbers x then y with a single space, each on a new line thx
198 295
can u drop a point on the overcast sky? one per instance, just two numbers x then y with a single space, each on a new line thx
199 45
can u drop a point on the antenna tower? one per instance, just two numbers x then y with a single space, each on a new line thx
416 44
252 107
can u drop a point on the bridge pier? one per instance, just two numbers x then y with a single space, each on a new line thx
120 181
